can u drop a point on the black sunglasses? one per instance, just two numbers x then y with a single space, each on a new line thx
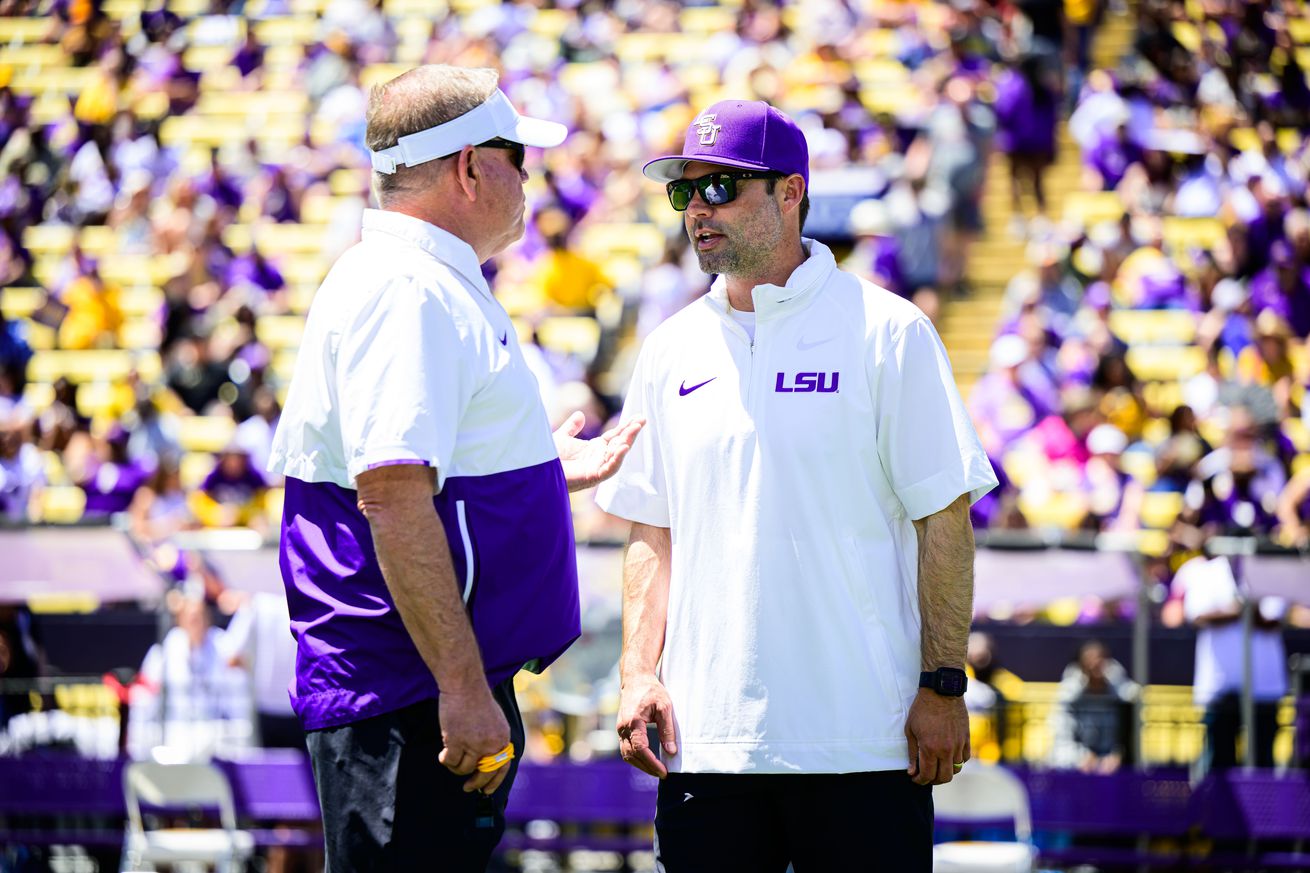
716 189
517 151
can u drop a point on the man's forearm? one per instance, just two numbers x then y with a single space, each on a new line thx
415 559
946 552
645 599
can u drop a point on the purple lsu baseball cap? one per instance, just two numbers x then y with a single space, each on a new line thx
747 134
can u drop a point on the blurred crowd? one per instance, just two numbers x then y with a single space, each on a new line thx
1151 367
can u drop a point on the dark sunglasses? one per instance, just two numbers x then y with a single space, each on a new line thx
716 189
517 150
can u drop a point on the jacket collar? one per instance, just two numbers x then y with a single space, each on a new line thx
442 245
801 286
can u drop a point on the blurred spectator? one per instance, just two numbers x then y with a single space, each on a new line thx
94 315
1002 407
159 508
60 422
1207 595
1283 288
1092 715
257 641
877 251
255 434
109 477
22 470
187 695
19 662
249 58
193 374
1236 488
1027 107
565 279
233 492
1113 497
1268 362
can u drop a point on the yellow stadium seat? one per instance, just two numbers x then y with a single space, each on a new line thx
303 269
193 469
602 240
140 302
55 80
125 11
1187 35
707 20
62 504
1301 463
183 130
105 399
1183 234
20 301
130 271
273 500
376 74
1166 363
1299 29
1139 465
1298 433
277 239
96 365
1154 327
140 333
550 22
300 297
1160 509
203 58
879 43
881 73
1060 510
348 182
38 395
1093 207
884 100
284 364
25 30
205 433
279 332
245 105
639 47
575 335
38 55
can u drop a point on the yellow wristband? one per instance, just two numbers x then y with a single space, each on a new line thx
492 763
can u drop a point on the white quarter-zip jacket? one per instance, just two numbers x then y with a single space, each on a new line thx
789 470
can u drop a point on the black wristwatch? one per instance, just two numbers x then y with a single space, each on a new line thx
946 681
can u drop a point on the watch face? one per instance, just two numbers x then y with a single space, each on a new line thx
951 682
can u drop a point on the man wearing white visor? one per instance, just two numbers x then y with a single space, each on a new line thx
427 545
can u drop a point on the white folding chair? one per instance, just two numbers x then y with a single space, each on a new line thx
176 786
984 792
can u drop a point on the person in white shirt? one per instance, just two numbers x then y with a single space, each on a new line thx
799 576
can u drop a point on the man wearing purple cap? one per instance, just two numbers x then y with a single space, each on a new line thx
798 582
427 543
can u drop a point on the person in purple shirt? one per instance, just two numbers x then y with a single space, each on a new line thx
1027 109
1002 406
111 478
1112 155
1284 287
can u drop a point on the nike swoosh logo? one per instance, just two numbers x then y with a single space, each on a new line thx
802 345
504 339
683 390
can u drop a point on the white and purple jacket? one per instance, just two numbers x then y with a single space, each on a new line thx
407 358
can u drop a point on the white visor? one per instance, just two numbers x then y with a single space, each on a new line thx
494 118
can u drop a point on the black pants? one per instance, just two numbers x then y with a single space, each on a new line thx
713 823
1223 722
389 805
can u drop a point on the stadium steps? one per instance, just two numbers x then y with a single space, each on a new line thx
968 324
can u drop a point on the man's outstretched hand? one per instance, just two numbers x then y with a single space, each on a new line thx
590 462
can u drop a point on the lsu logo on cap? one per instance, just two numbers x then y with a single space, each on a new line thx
708 130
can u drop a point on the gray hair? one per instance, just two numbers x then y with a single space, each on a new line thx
422 98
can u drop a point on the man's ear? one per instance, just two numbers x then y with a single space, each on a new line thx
793 192
468 172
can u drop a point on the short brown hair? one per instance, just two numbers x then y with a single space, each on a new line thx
416 100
